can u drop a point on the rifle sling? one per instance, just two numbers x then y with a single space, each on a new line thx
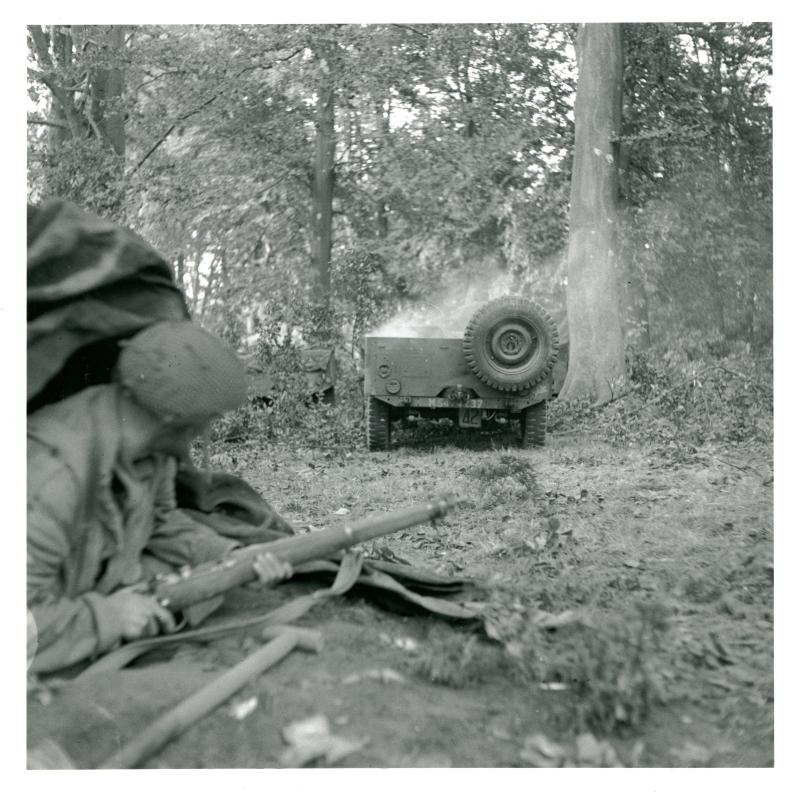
348 573
352 572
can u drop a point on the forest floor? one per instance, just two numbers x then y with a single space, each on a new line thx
627 618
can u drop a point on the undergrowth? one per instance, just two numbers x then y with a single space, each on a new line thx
677 402
503 480
611 662
460 660
586 595
294 414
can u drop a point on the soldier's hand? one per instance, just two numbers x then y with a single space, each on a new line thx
270 570
139 615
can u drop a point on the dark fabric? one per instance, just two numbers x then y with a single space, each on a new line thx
90 283
232 500
345 575
350 575
415 595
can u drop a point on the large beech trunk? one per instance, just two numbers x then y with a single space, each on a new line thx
597 356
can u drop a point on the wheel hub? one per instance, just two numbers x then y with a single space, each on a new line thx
512 343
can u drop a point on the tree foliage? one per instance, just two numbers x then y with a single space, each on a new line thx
451 153
698 134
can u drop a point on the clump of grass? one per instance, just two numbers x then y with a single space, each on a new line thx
506 466
460 661
611 663
506 479
615 671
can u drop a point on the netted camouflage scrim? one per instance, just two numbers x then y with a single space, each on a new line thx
178 370
90 283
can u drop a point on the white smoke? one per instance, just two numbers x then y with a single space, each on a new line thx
447 313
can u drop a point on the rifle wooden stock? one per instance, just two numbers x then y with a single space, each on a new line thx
176 592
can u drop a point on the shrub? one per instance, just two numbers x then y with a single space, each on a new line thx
460 661
608 661
292 414
678 400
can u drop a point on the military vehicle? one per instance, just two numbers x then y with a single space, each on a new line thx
319 369
501 369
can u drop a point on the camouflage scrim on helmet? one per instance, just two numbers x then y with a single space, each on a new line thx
179 371
90 282
71 252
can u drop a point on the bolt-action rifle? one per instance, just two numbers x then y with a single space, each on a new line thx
176 591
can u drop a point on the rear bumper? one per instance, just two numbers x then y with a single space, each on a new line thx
511 403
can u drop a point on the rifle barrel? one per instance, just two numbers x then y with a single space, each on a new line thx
207 580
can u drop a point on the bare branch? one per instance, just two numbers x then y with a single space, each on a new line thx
172 126
204 105
96 129
42 122
41 42
412 29
62 96
158 77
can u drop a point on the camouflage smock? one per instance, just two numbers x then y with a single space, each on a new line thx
96 523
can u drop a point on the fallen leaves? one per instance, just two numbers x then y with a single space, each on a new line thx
692 754
405 643
385 675
311 739
242 708
540 752
585 752
538 587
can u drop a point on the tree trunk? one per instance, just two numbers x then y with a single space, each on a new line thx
597 357
384 125
323 185
107 86
57 136
180 272
62 99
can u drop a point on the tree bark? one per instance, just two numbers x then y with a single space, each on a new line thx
597 357
323 184
180 271
107 87
58 136
384 125
62 100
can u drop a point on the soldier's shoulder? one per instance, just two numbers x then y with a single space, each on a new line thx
47 471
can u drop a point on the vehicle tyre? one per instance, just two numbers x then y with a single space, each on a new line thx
511 343
379 426
533 421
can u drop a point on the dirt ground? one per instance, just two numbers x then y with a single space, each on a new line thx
576 528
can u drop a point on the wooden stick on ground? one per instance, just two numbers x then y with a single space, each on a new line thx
202 702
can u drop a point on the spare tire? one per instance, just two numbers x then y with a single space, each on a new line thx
511 343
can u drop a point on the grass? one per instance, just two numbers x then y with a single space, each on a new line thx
660 571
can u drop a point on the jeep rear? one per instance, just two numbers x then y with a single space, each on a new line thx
500 370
